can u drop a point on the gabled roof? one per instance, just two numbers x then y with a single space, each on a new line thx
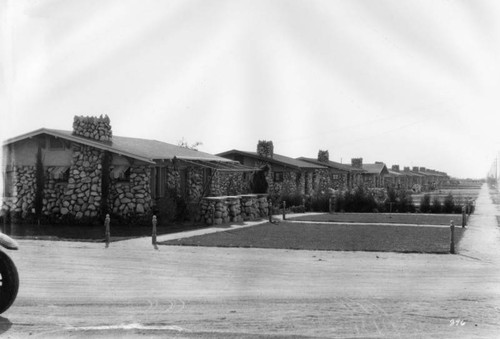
394 173
140 149
378 169
276 159
332 164
411 173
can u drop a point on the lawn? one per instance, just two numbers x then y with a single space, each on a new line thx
331 237
386 218
90 232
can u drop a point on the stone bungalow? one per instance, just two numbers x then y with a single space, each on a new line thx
88 172
373 175
284 175
341 176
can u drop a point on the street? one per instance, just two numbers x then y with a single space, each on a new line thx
76 289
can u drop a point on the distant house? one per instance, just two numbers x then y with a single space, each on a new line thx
284 175
395 179
373 175
88 172
341 176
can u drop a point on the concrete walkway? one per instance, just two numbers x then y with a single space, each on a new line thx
482 238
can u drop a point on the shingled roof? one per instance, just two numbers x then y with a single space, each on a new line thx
332 164
136 148
276 159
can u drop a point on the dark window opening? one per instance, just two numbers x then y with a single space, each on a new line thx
278 176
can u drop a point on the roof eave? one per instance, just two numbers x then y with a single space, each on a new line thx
77 139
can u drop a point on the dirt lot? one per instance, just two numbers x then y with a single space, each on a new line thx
85 290
82 290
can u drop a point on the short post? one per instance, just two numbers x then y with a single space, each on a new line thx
329 204
270 208
464 218
212 208
154 222
107 230
284 207
452 243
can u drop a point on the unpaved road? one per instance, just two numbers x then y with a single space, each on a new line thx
72 289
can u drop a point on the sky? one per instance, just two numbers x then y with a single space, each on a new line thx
413 83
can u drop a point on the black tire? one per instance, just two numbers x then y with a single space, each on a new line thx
9 279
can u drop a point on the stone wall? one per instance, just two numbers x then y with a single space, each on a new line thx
82 197
323 156
23 192
53 195
132 197
96 128
219 210
265 148
230 183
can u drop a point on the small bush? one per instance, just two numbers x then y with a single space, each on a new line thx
449 204
425 204
436 207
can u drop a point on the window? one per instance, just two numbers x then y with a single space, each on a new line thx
60 174
278 176
121 173
336 176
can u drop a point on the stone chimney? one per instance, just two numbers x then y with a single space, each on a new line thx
415 169
96 128
395 168
265 148
323 156
422 169
357 162
379 162
407 169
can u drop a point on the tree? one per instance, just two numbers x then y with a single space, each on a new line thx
425 204
449 204
436 205
184 143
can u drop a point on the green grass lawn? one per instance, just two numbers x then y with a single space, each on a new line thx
386 218
90 232
289 235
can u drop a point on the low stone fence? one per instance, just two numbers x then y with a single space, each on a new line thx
219 210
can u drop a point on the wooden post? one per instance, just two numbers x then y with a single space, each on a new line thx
154 222
270 211
452 242
329 204
107 230
464 221
284 207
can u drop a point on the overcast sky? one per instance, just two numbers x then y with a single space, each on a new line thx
414 83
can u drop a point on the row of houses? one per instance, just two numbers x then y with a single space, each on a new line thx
88 172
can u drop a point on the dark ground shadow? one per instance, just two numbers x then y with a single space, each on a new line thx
5 325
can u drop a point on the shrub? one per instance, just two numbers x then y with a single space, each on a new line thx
405 202
425 204
320 203
358 200
298 209
290 200
436 207
449 204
